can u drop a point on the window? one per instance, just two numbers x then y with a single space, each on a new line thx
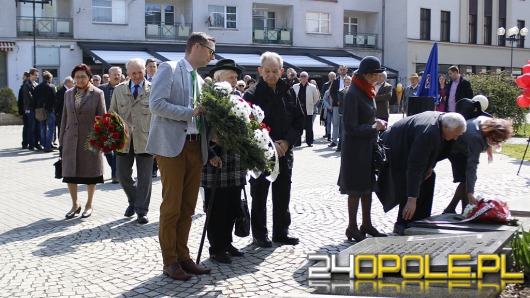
473 28
425 24
502 23
109 11
520 42
264 19
222 17
153 14
487 30
317 22
445 26
350 26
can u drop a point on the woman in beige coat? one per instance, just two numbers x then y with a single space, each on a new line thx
80 166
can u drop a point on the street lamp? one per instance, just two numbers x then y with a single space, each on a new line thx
511 36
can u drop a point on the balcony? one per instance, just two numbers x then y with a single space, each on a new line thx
45 27
275 36
360 40
173 31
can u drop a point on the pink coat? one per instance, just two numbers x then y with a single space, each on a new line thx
75 128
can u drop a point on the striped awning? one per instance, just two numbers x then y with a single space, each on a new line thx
7 46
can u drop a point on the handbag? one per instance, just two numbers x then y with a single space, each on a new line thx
40 114
58 169
242 226
379 158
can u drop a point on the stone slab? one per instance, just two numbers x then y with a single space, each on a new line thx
437 246
452 222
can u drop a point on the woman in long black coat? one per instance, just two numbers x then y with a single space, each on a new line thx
357 177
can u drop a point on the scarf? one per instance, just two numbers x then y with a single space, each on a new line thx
368 88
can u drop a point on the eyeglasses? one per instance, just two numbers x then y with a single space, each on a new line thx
240 85
212 52
303 76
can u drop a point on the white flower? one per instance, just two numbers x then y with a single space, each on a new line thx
469 209
241 108
258 113
224 87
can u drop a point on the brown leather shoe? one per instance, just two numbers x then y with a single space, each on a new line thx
190 267
175 271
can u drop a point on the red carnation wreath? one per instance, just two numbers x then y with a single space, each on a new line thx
110 134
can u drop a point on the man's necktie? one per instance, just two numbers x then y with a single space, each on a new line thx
135 92
194 83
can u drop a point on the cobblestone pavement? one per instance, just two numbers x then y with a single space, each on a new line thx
107 255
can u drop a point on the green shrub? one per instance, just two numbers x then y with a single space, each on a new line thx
501 91
8 101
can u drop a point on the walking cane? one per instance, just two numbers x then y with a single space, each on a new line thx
210 205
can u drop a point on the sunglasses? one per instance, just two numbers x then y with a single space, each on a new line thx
212 52
240 85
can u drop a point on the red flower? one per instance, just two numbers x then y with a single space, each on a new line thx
108 116
263 125
93 142
249 103
111 128
115 135
103 138
122 144
97 128
113 146
99 145
106 122
106 150
268 129
98 118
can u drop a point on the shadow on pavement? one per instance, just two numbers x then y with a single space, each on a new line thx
211 285
37 229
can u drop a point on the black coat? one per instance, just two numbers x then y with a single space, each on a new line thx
356 173
283 113
414 143
59 104
44 96
463 90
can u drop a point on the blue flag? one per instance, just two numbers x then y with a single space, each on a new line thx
429 80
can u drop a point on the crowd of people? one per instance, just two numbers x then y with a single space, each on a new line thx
168 134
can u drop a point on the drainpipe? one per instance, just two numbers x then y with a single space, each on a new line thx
383 33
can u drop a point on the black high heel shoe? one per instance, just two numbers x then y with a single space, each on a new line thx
355 234
371 231
72 214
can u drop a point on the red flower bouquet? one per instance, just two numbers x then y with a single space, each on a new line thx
110 134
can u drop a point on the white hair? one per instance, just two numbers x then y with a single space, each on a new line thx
454 121
218 73
68 79
115 68
271 56
304 73
135 61
241 82
385 74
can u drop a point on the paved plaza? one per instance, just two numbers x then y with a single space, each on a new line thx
107 255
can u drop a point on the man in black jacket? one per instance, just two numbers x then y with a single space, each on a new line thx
458 88
414 143
44 95
22 112
284 116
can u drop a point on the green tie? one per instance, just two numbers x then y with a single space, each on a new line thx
194 82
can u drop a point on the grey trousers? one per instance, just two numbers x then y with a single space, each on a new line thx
138 195
336 125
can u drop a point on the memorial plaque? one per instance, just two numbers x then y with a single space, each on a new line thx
438 247
452 222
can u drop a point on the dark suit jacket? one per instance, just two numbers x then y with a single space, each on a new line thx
106 91
44 95
59 104
462 91
414 143
382 100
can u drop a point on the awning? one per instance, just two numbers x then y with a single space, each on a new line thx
303 61
120 57
7 46
242 59
350 62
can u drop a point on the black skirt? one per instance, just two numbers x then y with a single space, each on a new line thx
83 180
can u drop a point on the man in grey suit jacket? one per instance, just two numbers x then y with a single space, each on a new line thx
177 138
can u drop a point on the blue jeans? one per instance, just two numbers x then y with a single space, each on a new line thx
31 129
47 129
329 116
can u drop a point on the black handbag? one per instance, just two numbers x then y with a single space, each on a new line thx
242 226
58 169
379 158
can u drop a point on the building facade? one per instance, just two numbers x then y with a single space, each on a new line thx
312 35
